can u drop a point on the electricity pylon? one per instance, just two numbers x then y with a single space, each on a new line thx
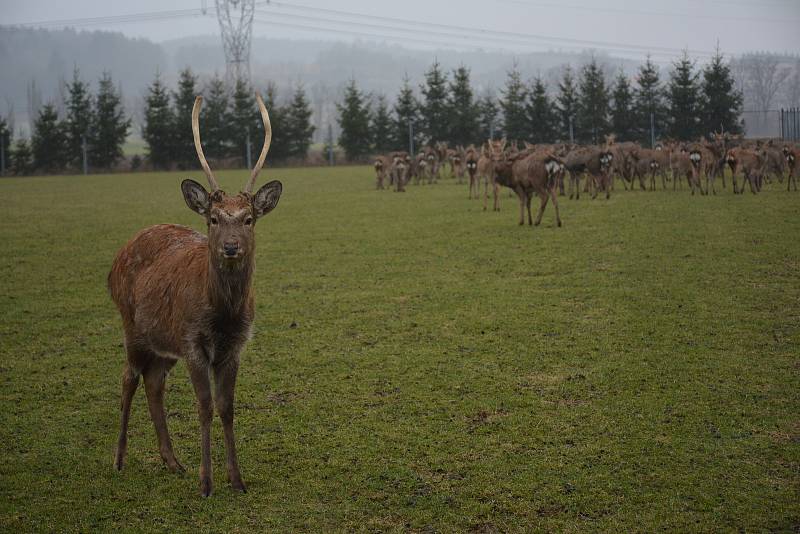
236 26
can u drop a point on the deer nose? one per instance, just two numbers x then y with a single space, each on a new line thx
231 248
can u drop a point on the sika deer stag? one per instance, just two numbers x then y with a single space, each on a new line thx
183 295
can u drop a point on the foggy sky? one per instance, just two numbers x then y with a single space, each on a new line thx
698 25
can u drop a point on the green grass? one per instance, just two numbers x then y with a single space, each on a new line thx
636 370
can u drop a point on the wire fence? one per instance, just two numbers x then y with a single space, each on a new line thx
790 124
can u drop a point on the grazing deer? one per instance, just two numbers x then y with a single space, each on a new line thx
183 295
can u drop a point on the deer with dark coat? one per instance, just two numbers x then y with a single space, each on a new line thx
184 295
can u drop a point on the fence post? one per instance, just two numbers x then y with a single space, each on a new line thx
652 130
3 154
571 132
85 157
330 145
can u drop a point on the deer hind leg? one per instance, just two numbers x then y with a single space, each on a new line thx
522 201
198 371
555 205
543 197
528 207
155 377
130 381
225 384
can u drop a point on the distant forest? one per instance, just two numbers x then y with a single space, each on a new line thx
37 64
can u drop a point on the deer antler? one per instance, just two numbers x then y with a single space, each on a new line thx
198 102
264 149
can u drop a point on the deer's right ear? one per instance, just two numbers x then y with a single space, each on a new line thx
196 196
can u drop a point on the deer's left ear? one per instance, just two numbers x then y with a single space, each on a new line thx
267 198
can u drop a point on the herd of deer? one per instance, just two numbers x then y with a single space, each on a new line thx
185 295
540 169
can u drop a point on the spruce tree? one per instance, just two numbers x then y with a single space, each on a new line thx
215 123
182 140
541 114
567 104
48 144
515 123
488 112
406 111
5 141
21 158
279 148
593 104
110 126
648 101
79 117
300 129
245 119
463 110
354 120
721 101
623 118
683 96
381 127
435 109
158 125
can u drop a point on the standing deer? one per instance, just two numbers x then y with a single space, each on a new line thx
183 295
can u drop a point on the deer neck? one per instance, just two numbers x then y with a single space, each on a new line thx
229 287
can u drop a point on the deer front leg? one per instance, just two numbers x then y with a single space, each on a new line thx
198 371
225 382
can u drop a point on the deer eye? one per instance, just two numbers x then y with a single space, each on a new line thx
214 221
248 221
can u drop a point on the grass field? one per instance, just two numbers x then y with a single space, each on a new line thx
420 365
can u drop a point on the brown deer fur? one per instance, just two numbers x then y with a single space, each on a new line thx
184 295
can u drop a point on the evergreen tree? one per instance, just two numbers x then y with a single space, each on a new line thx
215 122
488 110
354 119
182 140
158 125
623 118
463 111
406 111
279 148
245 120
300 129
540 113
683 96
435 109
567 104
721 101
648 101
593 104
79 118
21 158
49 142
110 126
515 123
5 140
382 127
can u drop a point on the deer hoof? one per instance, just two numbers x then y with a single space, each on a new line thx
205 486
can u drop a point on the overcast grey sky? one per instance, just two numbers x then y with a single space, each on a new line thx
661 26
